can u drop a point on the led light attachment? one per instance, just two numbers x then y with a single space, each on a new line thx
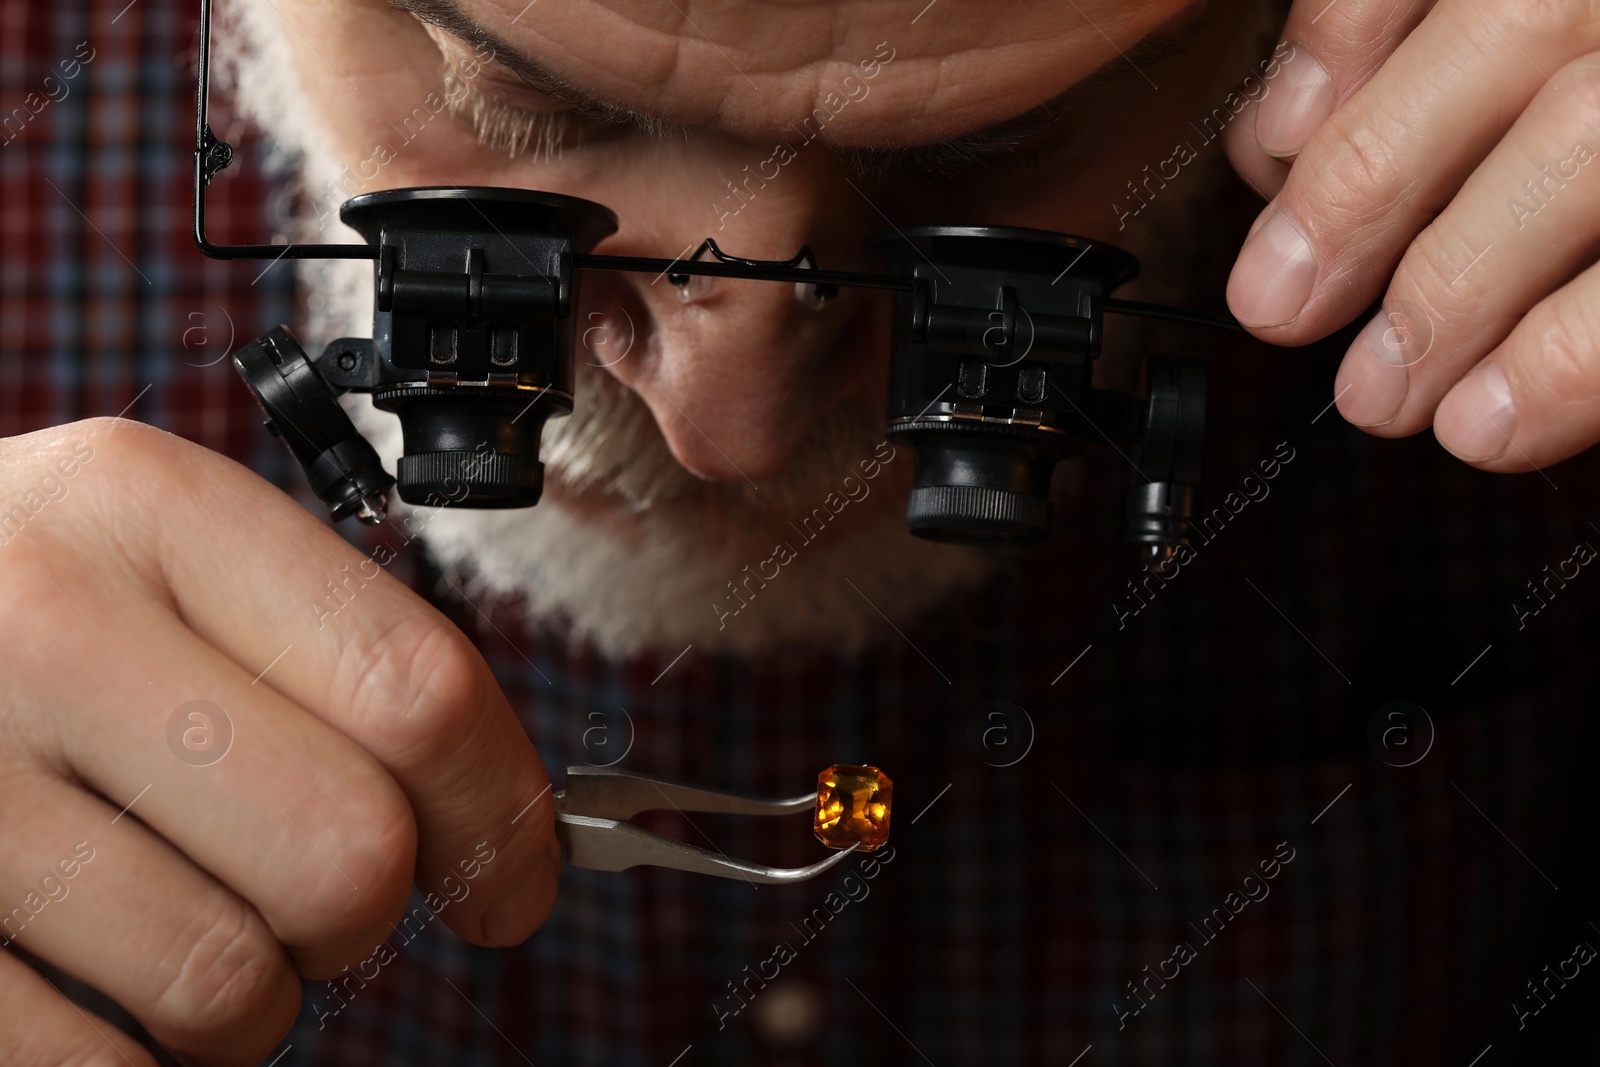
343 469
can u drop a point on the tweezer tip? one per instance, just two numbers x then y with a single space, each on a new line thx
801 874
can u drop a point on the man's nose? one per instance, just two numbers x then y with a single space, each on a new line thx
736 371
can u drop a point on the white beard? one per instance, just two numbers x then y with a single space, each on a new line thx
660 579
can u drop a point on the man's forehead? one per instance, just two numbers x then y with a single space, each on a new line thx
883 72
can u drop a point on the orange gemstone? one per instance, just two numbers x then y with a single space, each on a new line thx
853 807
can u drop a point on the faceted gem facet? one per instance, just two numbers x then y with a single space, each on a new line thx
853 806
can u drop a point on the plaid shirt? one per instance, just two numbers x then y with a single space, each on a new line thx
1207 840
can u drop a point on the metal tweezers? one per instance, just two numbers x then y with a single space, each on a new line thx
591 814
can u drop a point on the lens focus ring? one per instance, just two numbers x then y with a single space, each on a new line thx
470 479
975 512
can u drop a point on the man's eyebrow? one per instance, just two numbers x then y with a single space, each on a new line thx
448 17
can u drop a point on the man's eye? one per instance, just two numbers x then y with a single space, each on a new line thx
515 127
989 159
1031 157
504 112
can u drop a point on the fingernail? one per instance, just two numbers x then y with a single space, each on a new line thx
1372 381
1297 103
512 919
1274 276
1476 419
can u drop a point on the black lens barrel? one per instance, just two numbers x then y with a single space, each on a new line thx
473 322
990 364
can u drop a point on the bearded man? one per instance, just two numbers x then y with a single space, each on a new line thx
1313 795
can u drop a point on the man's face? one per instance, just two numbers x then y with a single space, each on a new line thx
723 411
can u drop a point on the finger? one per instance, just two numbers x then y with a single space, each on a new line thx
1330 48
1258 170
40 1025
1378 170
290 815
355 647
1535 399
119 908
1521 226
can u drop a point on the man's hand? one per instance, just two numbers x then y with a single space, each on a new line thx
138 573
1444 156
